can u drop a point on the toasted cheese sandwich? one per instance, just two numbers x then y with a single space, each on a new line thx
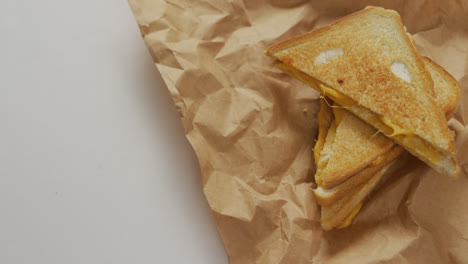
341 203
367 64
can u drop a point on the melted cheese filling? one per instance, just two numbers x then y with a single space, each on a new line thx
324 156
402 136
338 113
324 122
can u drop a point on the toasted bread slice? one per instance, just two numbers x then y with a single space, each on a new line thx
447 93
342 212
366 63
355 147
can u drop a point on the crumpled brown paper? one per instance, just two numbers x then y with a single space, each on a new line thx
253 128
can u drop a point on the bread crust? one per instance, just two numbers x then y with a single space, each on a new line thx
297 40
447 101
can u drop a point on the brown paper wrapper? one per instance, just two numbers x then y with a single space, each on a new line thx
253 128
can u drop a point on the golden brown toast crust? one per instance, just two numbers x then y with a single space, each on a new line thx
297 40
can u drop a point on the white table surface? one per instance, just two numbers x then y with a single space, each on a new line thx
95 167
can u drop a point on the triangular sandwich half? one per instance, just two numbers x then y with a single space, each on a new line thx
366 63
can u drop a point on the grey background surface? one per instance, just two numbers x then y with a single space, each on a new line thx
95 167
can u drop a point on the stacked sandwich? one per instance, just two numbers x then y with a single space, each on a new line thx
380 98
